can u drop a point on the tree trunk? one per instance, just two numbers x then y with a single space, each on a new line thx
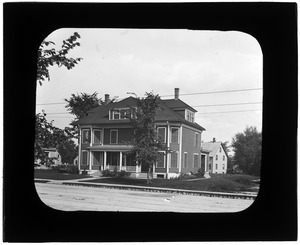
149 176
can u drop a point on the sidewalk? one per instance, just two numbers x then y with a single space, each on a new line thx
83 182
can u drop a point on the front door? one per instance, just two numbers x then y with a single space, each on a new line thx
203 162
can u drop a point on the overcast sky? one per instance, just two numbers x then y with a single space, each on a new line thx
117 61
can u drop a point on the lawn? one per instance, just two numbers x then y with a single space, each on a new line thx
233 183
218 183
54 175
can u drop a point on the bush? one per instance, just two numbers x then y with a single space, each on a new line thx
115 173
107 173
123 174
72 169
200 173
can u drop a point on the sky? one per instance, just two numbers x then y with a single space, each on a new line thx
199 63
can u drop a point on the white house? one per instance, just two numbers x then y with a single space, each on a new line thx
217 159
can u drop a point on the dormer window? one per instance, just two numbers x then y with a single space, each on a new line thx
121 113
189 115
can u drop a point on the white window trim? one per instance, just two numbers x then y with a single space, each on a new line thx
177 135
165 139
114 110
196 154
85 129
97 129
117 137
163 158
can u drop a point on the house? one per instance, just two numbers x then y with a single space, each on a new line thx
53 154
106 131
217 162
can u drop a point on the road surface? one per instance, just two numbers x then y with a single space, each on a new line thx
74 198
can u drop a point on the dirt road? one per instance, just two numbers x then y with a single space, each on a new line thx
73 198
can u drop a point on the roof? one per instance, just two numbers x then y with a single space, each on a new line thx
178 104
100 114
213 147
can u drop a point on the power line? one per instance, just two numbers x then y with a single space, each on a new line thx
198 93
54 103
217 112
247 103
216 92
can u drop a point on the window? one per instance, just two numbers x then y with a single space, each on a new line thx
185 159
223 166
123 113
189 115
174 135
161 160
84 158
196 140
220 149
97 136
97 158
216 157
196 160
86 136
161 132
114 136
174 159
216 166
223 158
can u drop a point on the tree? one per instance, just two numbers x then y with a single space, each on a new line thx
49 136
145 141
247 148
68 151
48 56
80 104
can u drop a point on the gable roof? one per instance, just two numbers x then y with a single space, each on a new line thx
100 114
213 147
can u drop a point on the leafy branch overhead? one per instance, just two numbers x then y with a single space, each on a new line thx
49 56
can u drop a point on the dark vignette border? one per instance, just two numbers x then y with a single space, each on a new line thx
272 217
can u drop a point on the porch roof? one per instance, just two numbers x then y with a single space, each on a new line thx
111 148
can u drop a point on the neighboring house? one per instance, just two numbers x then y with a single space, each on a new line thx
106 131
217 162
51 153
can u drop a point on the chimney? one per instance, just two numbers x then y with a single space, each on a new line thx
214 140
106 99
176 95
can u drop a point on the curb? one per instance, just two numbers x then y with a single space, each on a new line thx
152 189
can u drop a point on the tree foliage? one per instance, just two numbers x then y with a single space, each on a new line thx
145 140
80 104
247 148
49 56
49 136
68 151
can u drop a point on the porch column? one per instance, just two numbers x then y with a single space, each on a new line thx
90 162
136 167
121 160
104 160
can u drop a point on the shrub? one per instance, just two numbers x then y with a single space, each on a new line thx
107 173
72 169
115 173
200 173
123 174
